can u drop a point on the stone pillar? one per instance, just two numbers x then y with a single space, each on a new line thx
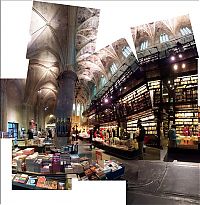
64 107
66 82
40 113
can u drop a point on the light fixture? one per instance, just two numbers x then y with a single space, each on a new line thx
106 100
168 81
111 97
102 76
124 88
175 67
51 116
180 55
172 58
183 65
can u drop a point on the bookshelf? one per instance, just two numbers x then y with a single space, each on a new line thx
186 88
186 109
154 86
186 115
148 122
136 101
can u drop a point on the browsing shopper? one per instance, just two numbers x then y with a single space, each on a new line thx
140 139
172 136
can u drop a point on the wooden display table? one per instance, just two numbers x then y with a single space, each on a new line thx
117 151
40 149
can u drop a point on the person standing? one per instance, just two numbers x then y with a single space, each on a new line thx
172 136
91 137
49 134
30 134
140 139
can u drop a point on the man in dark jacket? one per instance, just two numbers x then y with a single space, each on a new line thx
30 134
140 140
91 137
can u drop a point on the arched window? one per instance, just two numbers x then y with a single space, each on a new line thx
94 90
126 50
78 110
113 68
185 31
143 45
102 81
164 38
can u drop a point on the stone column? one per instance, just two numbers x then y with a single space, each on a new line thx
66 82
64 107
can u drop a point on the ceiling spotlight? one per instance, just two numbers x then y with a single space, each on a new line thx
175 67
106 100
168 81
101 104
102 76
172 58
180 55
111 97
183 65
51 116
124 88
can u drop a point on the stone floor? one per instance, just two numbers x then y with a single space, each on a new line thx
152 182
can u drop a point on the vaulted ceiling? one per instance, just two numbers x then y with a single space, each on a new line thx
65 36
152 31
60 36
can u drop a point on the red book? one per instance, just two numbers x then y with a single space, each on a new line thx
41 181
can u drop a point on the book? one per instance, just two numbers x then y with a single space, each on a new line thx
16 178
51 184
41 181
61 186
23 178
32 181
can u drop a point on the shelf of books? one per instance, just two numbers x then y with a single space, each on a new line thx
186 89
136 101
187 115
154 86
149 122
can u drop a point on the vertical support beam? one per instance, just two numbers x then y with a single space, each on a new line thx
64 107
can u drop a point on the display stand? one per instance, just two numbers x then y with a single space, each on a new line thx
118 152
